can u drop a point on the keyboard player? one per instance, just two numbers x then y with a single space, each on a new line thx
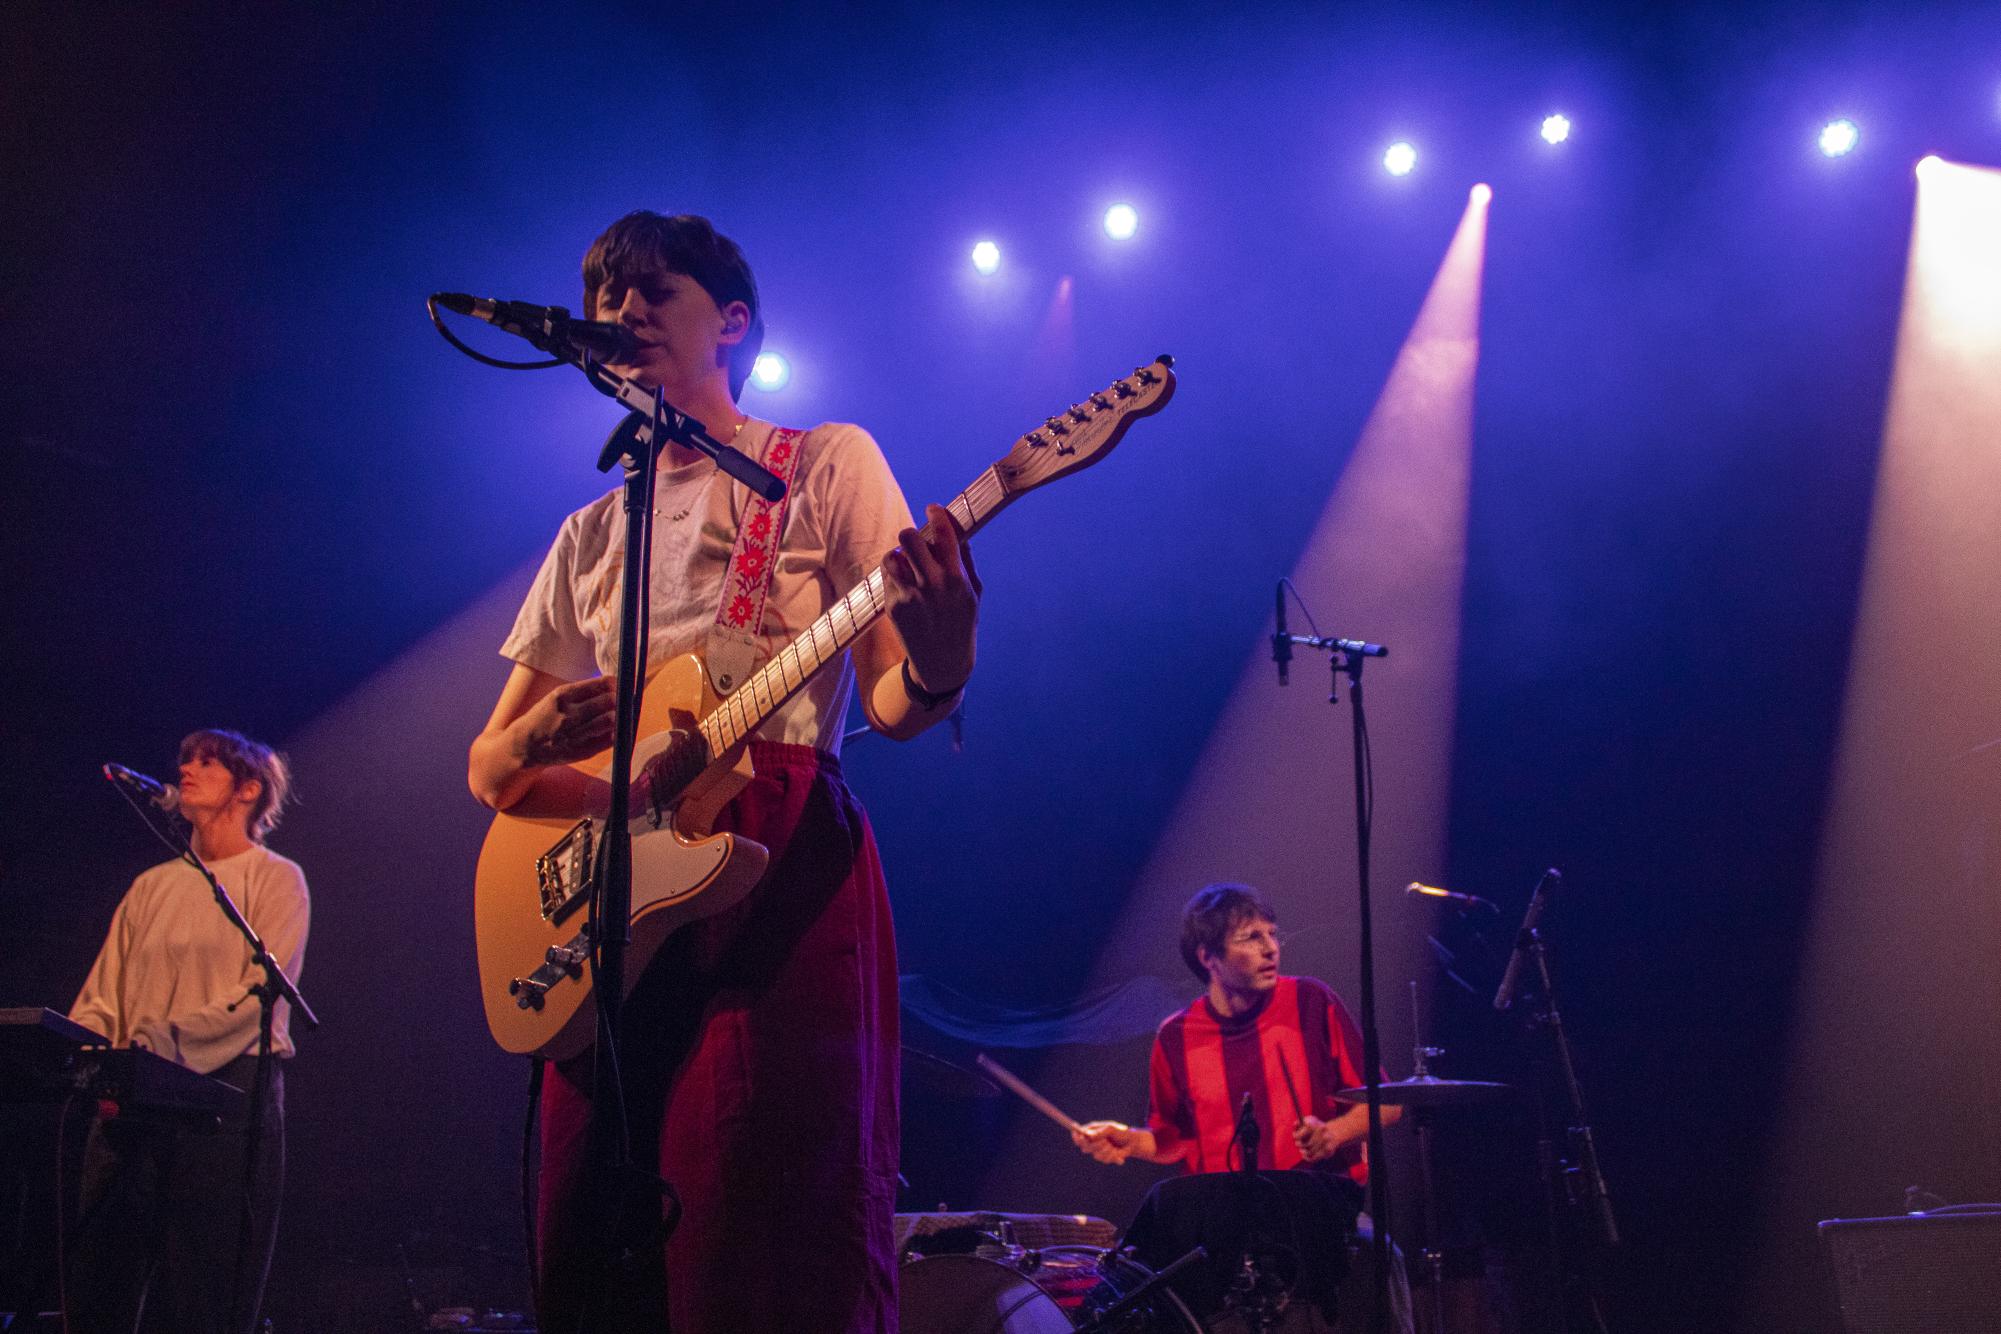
157 1221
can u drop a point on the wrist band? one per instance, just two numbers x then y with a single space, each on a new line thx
928 700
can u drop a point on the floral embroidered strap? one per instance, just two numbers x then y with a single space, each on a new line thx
733 643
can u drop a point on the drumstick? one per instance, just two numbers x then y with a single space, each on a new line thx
1027 1094
1290 1091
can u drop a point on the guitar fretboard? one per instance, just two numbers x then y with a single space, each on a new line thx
827 637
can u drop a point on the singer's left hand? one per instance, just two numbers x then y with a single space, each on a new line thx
934 600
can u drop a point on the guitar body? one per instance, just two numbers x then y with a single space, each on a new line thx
531 895
680 873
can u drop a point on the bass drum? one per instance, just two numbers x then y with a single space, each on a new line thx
1051 1291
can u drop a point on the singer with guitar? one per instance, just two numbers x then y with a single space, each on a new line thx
760 1050
159 1210
1256 1045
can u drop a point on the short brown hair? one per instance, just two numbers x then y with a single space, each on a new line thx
1210 917
246 759
646 242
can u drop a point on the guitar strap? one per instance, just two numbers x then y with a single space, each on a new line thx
735 640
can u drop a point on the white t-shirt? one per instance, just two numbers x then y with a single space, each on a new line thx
172 964
843 515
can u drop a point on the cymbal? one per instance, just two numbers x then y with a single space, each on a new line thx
1429 1091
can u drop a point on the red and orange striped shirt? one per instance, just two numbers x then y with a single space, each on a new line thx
1290 1054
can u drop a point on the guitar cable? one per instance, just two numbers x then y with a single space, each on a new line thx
530 1198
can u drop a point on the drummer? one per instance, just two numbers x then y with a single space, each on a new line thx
1288 1042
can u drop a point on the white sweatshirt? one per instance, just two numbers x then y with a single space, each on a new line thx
172 965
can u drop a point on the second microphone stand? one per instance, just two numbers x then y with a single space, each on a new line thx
1346 659
1578 1179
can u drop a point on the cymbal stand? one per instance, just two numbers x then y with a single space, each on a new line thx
1434 1250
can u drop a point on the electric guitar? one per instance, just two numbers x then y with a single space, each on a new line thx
533 889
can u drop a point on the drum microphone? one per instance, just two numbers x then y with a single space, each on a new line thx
1551 879
1463 901
164 795
604 339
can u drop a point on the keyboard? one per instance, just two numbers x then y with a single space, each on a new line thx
44 1057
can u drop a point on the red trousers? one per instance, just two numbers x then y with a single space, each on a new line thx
760 1072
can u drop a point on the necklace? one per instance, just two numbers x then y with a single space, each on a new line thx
686 510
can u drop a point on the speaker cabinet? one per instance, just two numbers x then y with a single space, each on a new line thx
1937 1273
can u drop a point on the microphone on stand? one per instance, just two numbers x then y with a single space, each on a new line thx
604 339
1281 642
1551 879
1247 1134
163 795
1416 890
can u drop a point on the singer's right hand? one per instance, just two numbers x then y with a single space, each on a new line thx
572 722
1107 1141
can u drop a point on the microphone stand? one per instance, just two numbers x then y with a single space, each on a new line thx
1581 1177
275 986
1346 657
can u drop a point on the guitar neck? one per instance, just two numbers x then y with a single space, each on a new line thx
838 627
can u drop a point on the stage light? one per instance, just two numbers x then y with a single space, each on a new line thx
986 258
1481 193
770 372
1928 166
1555 129
1838 138
1121 221
1400 160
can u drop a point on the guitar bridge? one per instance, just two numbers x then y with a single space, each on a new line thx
565 873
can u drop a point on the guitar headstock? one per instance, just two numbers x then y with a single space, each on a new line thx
1086 432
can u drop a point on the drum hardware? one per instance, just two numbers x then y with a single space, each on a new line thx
1001 1245
1426 1095
1058 1290
1261 1292
1279 1242
1118 1310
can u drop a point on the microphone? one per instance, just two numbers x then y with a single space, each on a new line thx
604 339
1281 643
164 795
1417 890
1551 879
1247 1134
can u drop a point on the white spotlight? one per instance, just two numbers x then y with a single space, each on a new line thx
1839 137
1481 193
986 258
1555 129
1400 159
770 372
1929 165
1121 221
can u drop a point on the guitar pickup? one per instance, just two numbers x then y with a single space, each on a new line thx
565 873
